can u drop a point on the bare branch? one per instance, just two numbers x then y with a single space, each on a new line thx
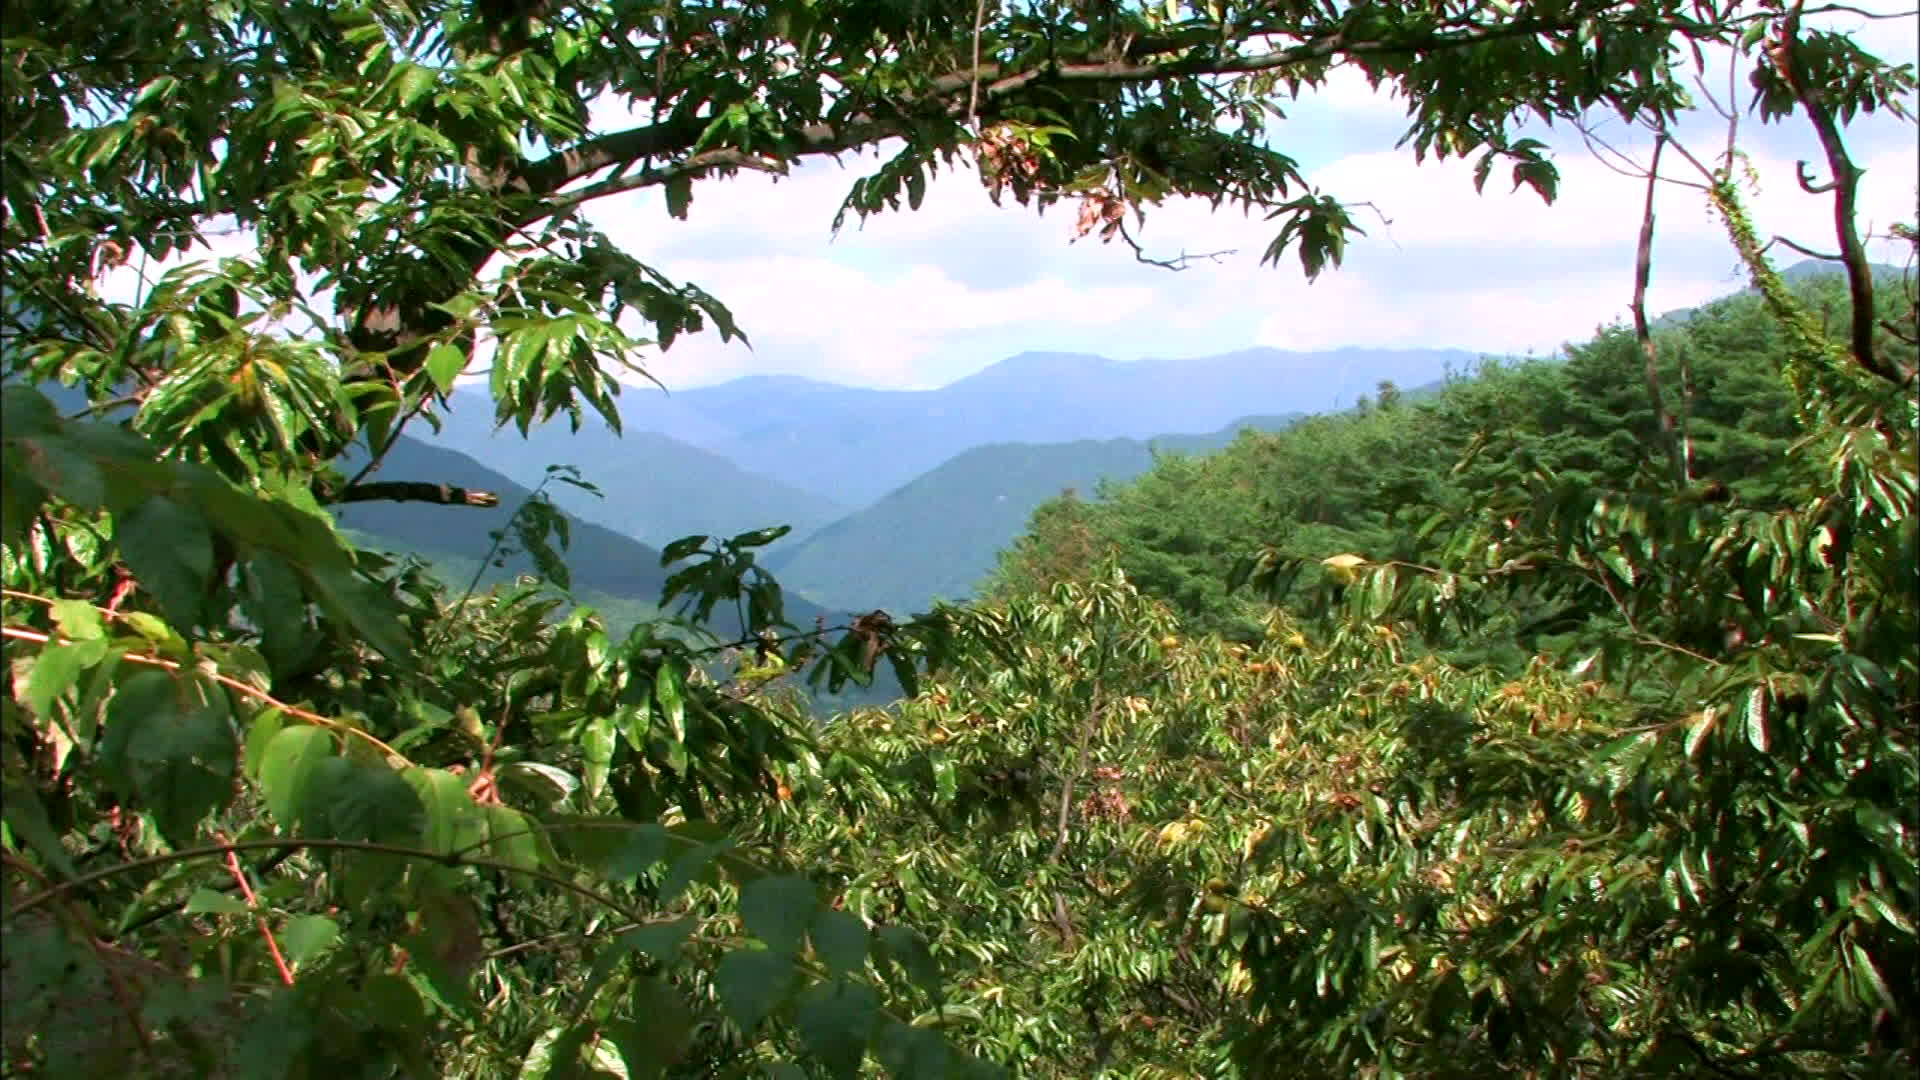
1642 272
1807 251
1177 263
1845 187
416 491
1807 183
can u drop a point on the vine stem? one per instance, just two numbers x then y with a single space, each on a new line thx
211 851
228 681
253 901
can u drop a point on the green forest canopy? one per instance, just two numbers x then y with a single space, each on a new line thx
276 806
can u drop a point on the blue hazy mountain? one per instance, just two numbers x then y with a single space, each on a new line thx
938 536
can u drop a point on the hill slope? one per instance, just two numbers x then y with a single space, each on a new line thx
601 559
938 536
655 487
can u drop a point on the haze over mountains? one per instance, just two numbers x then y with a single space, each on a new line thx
851 446
938 536
901 496
897 497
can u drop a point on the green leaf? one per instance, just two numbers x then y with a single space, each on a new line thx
661 940
907 948
840 939
835 1021
777 910
453 820
681 548
598 740
78 620
209 902
511 837
659 1032
170 743
357 602
673 707
908 1051
26 817
170 551
56 670
307 936
444 364
751 983
287 769
266 724
373 803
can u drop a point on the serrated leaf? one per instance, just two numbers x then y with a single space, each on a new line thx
169 742
287 770
836 1020
209 902
777 910
306 937
444 364
840 940
659 1032
170 550
752 983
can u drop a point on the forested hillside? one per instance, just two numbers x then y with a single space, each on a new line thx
1371 481
1562 723
937 537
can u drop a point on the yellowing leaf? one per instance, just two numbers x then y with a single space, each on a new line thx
1344 568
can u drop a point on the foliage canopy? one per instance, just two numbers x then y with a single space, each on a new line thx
277 806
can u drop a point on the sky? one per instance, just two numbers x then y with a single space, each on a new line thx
917 299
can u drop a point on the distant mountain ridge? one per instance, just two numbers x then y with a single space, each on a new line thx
653 486
939 535
599 558
851 446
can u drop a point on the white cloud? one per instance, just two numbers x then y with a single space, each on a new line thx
918 298
818 317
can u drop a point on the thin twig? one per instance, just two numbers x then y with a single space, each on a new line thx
210 851
973 92
1807 251
1177 263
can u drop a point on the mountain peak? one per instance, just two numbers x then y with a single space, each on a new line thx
1041 365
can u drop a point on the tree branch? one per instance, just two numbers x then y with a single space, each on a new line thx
1845 186
1642 271
416 491
1807 251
